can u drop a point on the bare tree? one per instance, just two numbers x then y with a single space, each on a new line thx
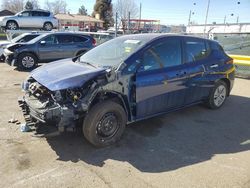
123 7
13 5
57 6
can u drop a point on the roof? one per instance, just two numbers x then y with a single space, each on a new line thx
6 13
77 17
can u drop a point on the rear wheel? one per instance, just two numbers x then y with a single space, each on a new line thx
105 123
218 95
27 61
11 25
47 26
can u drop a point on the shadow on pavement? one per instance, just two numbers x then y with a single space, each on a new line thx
169 142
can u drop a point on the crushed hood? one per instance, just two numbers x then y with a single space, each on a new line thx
65 74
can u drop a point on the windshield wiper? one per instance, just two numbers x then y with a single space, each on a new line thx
89 64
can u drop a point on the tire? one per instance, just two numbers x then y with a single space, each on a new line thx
12 25
26 61
105 123
47 26
218 95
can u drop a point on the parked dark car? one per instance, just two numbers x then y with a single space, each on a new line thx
25 37
46 48
128 79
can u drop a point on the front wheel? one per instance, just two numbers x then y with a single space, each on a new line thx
218 95
105 123
26 61
11 25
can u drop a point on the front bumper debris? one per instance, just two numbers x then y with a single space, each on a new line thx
36 112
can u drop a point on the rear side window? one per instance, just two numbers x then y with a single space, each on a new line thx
39 14
196 49
46 14
64 39
162 55
79 39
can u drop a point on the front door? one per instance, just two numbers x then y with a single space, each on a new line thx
161 81
50 50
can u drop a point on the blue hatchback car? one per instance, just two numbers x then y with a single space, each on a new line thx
128 79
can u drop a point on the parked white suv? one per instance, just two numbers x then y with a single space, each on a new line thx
30 19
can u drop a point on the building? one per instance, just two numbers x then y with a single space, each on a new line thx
220 28
77 22
6 13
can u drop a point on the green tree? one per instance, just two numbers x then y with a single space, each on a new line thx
83 11
105 9
29 6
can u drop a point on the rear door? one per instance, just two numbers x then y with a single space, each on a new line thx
37 19
67 45
161 81
197 58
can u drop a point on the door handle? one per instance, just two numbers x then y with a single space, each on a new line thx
181 73
214 66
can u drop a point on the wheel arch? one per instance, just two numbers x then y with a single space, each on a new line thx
29 52
11 20
114 96
227 82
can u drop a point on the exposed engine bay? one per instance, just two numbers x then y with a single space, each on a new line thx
63 107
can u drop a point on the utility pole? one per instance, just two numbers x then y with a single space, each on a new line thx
205 26
140 17
116 24
189 18
129 22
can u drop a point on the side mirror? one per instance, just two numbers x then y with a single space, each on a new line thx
20 15
43 42
139 67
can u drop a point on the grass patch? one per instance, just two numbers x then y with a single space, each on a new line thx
2 35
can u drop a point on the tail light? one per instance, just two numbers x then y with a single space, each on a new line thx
94 42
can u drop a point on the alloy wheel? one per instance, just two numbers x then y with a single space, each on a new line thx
28 62
220 95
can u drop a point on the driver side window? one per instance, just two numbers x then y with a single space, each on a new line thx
51 39
25 14
162 55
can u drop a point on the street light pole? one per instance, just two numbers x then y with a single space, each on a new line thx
205 26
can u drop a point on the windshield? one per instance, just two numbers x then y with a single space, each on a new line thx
113 52
37 38
14 40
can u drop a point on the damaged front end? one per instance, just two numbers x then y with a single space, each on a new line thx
63 108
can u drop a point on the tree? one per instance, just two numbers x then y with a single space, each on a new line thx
82 10
123 7
105 9
13 5
28 6
34 4
57 6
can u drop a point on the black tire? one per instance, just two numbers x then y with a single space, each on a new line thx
11 25
47 26
105 123
218 95
26 61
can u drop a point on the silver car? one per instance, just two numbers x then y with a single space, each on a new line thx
41 19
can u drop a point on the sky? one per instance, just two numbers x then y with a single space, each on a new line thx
177 11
